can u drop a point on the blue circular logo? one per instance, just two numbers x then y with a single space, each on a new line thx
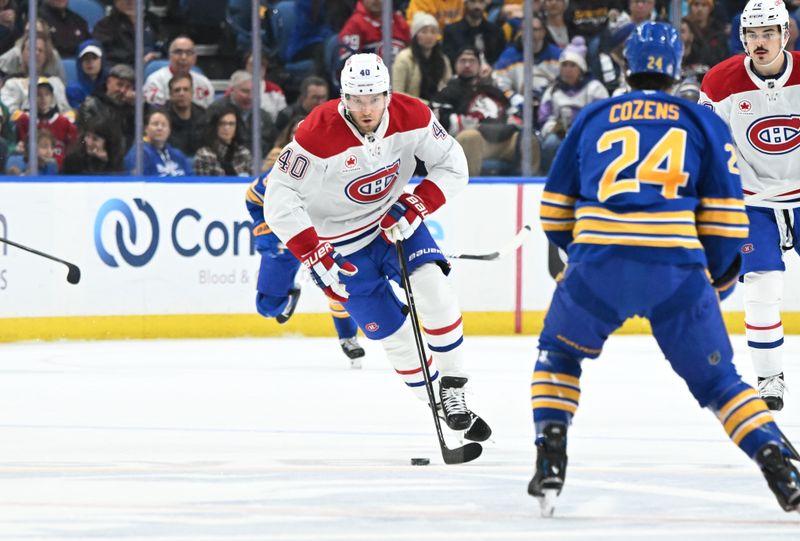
117 205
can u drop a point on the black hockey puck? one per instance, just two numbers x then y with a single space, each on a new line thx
420 461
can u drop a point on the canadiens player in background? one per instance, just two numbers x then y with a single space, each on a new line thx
654 197
758 95
336 199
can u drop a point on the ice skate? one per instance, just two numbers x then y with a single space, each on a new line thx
781 475
479 430
551 468
294 296
451 394
353 350
770 389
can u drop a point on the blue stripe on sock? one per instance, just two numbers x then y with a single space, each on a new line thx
444 349
765 345
421 383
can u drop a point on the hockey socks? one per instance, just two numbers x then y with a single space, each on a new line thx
555 389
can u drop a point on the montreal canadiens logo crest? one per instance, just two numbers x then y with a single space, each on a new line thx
775 134
373 186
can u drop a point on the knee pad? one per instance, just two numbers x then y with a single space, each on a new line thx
270 305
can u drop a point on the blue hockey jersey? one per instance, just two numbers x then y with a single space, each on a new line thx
647 176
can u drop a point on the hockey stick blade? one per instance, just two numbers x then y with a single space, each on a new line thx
512 246
468 452
73 272
460 455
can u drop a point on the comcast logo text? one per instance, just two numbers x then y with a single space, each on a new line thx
109 210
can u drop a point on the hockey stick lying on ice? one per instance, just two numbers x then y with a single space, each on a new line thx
470 451
73 274
512 245
786 196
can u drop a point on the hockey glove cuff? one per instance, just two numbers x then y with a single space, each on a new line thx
726 283
324 264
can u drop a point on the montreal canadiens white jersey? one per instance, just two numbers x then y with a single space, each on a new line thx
342 183
764 117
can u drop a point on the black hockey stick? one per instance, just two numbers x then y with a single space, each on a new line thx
470 451
512 245
73 274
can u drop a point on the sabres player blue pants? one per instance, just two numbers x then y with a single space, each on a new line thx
595 298
276 277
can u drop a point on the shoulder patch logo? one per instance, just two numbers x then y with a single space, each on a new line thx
350 161
777 134
745 106
373 186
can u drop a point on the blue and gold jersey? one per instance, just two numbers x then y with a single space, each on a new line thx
254 200
647 176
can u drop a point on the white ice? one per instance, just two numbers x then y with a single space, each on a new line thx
277 439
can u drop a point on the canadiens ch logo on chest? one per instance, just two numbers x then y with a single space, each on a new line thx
777 134
373 186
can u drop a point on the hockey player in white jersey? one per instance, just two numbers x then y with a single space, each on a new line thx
758 95
337 200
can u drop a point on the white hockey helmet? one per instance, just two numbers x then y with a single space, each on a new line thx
364 73
765 13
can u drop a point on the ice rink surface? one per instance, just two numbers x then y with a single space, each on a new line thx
277 439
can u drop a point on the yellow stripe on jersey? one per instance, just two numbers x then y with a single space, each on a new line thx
742 413
554 198
723 217
728 203
603 226
261 229
561 213
684 216
632 240
337 310
254 197
557 226
722 231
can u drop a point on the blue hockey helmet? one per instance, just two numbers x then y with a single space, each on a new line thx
654 48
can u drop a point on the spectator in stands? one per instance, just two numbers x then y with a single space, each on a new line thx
313 91
17 164
315 22
273 100
48 118
188 120
241 99
116 31
182 58
284 138
445 11
588 18
67 28
363 31
91 72
557 29
476 112
112 102
709 33
223 153
510 68
474 29
573 90
689 89
6 136
12 62
422 69
159 158
14 93
9 26
696 56
99 151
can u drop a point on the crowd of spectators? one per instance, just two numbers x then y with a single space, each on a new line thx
464 58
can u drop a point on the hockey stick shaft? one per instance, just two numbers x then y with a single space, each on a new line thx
73 273
510 247
471 451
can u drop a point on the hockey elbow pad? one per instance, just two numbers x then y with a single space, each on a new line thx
726 283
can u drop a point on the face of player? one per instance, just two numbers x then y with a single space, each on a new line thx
366 111
764 45
157 130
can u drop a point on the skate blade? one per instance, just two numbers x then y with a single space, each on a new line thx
355 364
547 502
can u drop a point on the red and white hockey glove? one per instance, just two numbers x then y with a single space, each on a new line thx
404 217
324 264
